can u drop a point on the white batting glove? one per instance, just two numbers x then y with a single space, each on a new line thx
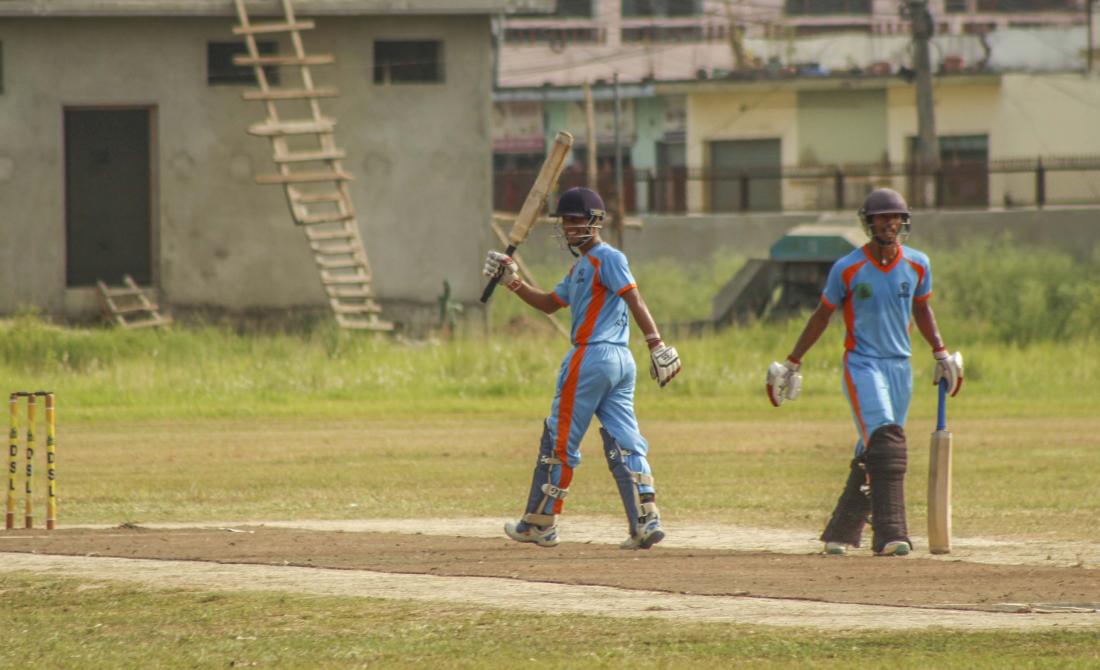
949 367
504 265
784 381
664 364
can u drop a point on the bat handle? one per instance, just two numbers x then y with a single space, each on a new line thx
941 409
488 292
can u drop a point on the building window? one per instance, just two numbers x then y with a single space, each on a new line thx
408 62
664 34
1026 5
554 36
818 7
573 8
662 8
221 70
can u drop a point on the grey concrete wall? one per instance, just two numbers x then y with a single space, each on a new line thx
420 155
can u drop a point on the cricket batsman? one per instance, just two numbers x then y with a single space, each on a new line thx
881 289
596 378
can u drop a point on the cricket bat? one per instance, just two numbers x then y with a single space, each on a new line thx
536 199
939 481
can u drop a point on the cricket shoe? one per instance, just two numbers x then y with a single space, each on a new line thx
895 548
836 548
525 532
649 535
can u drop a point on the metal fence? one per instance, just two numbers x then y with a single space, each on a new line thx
1025 182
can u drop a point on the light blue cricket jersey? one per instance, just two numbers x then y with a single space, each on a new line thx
593 290
878 300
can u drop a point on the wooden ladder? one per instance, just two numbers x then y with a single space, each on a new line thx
309 167
128 306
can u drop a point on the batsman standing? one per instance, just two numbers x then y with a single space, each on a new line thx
596 378
880 287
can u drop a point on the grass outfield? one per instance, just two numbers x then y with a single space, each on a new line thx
66 623
197 424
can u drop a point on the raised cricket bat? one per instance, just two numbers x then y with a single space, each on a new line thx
939 481
536 199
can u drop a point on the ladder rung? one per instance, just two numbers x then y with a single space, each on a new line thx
306 156
291 94
130 309
327 217
302 177
261 28
321 59
323 236
327 264
280 128
145 323
371 323
335 248
123 292
359 308
348 292
305 198
327 278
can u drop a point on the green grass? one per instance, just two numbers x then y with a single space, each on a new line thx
66 623
208 423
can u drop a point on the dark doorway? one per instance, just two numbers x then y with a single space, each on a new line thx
735 164
108 231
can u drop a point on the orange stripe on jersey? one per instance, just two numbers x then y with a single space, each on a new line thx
849 308
853 398
625 289
558 299
595 305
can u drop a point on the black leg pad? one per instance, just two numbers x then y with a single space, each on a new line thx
887 459
852 509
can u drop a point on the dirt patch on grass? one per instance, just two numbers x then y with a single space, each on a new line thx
799 588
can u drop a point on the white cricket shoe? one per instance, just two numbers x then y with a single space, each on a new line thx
836 548
650 535
895 548
525 532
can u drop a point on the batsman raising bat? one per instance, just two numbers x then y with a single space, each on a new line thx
596 377
879 287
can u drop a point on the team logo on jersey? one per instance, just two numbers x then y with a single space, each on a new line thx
580 276
862 291
904 293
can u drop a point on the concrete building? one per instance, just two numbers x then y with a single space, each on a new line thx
992 129
123 149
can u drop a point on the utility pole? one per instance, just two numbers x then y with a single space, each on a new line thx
1088 22
620 205
590 142
928 155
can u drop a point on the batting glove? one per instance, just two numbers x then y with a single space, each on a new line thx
503 265
664 364
784 381
949 367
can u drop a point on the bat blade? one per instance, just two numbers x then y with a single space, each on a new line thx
536 199
544 183
939 482
939 493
